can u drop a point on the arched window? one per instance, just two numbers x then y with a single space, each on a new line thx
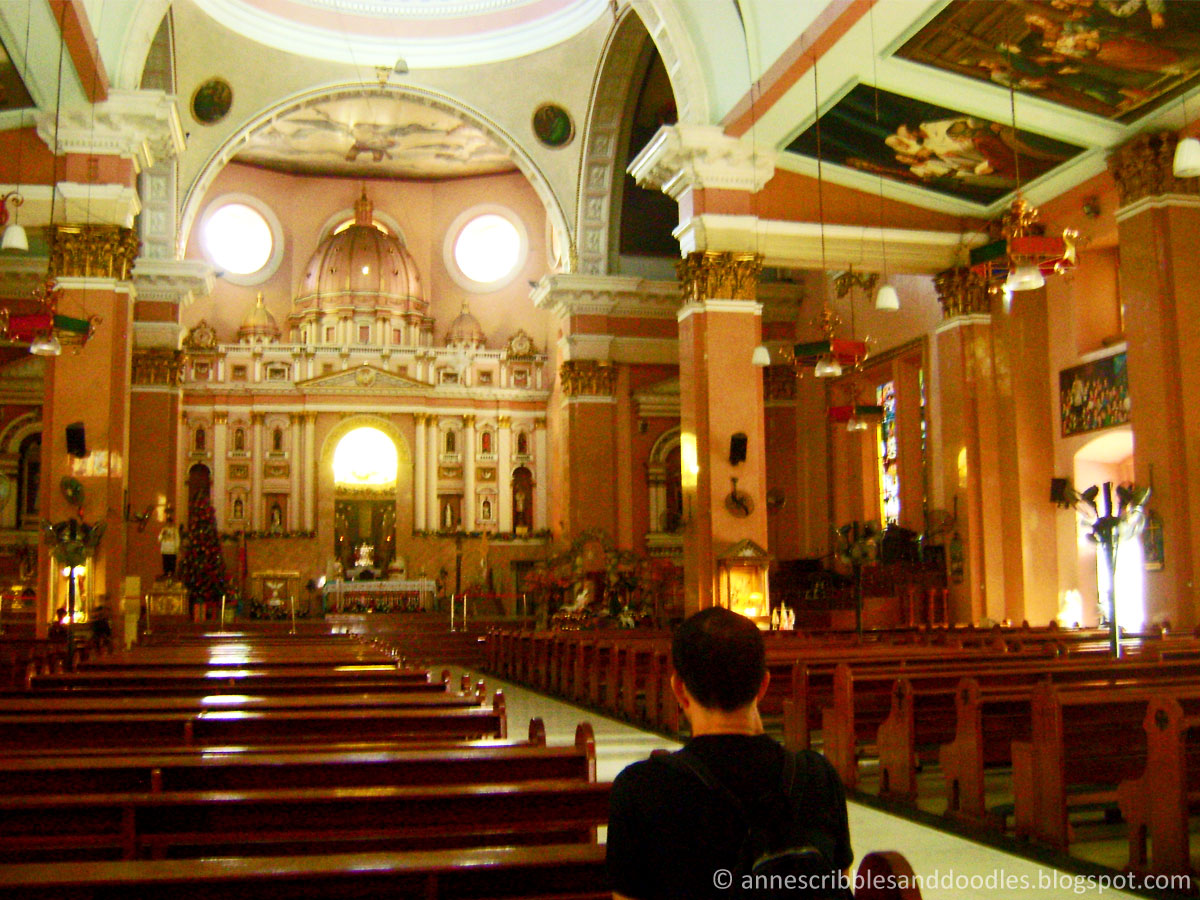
522 498
29 473
365 457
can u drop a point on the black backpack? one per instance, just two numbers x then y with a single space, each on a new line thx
777 858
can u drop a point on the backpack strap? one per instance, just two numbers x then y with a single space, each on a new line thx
691 763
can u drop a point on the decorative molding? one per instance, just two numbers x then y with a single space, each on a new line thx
173 280
713 275
143 126
806 245
587 378
158 367
694 157
93 251
520 346
1144 167
485 474
621 296
200 339
275 470
659 400
962 293
239 472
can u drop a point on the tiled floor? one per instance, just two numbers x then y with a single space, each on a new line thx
963 869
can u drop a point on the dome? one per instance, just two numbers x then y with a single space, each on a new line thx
259 327
363 268
465 330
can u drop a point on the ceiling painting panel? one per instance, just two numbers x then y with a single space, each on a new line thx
929 146
1112 58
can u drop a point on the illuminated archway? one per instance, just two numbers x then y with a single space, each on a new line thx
365 458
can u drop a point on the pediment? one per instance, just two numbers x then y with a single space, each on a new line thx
363 378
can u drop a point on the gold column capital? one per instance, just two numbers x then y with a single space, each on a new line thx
256 418
539 423
504 421
588 378
157 367
221 416
93 251
469 420
962 293
421 418
710 275
1144 167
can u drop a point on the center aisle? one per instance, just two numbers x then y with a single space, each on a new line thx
960 869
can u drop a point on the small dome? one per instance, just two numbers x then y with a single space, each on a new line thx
259 327
362 267
465 331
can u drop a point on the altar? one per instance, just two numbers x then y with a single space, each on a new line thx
385 596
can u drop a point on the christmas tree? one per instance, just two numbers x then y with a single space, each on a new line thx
202 567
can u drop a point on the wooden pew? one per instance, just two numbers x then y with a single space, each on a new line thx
556 872
245 680
560 872
192 770
1084 742
1157 803
306 820
232 727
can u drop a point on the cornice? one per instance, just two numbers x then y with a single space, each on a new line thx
607 295
173 280
688 157
143 126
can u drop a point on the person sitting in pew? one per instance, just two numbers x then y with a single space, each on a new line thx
680 824
58 628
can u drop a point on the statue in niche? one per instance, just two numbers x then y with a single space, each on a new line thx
239 439
277 440
276 517
201 439
239 509
522 444
485 442
451 443
486 512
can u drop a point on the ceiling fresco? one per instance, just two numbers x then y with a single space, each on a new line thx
13 94
917 143
371 135
1111 58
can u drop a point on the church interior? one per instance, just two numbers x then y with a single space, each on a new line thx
858 317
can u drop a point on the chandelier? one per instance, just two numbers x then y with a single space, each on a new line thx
1024 255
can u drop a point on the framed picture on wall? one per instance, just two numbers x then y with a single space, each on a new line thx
1094 395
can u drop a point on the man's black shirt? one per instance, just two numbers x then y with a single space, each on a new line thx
668 833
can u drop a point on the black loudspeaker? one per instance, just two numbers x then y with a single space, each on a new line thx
1058 491
76 445
737 449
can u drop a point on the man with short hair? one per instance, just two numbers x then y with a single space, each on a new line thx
670 834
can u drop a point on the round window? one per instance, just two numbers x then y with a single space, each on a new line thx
486 247
242 238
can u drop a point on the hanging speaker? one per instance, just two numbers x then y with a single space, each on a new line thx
737 448
1058 491
76 444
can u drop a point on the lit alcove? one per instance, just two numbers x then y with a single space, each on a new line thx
1108 458
365 458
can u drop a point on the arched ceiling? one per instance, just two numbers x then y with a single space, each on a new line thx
424 33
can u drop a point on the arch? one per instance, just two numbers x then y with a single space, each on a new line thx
1108 457
199 482
196 191
664 483
15 432
125 33
366 420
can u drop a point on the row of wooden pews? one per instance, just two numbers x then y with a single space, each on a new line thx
1046 714
237 766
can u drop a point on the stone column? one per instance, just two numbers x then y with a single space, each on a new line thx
541 476
590 413
295 437
310 471
431 472
256 471
468 452
1157 225
220 464
504 472
721 394
420 473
